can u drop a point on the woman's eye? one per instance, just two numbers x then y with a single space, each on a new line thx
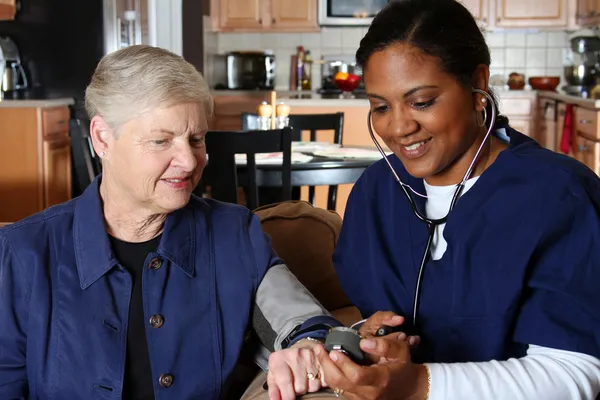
423 104
380 109
197 141
159 142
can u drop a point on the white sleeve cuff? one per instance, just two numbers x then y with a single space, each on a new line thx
544 373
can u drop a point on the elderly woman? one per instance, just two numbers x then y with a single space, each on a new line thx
137 289
484 241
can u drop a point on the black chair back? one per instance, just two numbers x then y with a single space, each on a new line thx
312 123
221 172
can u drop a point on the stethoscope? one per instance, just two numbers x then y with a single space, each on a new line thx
433 223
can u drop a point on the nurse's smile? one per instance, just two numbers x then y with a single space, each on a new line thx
416 149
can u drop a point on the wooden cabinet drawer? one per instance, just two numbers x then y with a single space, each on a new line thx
55 120
586 121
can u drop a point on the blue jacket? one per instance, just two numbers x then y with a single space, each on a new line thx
64 301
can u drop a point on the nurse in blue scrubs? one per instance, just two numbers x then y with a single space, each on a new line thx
484 243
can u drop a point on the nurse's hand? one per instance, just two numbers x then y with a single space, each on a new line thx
393 377
295 371
375 321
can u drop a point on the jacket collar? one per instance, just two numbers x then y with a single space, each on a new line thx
93 253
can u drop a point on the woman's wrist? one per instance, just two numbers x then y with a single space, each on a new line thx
421 382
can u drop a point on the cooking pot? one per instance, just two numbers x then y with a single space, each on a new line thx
581 75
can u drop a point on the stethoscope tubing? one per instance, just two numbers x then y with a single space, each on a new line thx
433 223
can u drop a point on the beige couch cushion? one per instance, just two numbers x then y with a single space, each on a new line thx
305 237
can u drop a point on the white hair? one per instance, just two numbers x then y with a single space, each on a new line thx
136 79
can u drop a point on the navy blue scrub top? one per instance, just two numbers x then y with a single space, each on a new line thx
522 264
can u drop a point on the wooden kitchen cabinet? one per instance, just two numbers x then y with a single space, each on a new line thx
532 13
479 9
8 9
264 15
586 140
35 160
546 123
588 13
57 170
242 14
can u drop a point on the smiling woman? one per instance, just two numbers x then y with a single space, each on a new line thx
139 288
495 270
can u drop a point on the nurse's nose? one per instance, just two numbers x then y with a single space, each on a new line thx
402 123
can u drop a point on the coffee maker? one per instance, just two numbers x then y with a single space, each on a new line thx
12 78
582 66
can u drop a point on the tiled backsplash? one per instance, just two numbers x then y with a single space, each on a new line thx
531 53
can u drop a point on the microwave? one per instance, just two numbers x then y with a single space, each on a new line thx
349 12
245 70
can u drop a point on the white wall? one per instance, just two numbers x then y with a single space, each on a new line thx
165 24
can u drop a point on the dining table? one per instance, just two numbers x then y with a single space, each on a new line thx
313 164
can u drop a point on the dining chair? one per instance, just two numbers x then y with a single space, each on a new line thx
312 123
221 172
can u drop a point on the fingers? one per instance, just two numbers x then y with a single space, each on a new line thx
392 347
378 319
312 367
414 340
292 372
333 376
273 389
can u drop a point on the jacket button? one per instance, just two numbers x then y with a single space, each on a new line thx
156 321
165 380
155 263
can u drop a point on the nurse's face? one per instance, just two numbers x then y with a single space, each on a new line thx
423 114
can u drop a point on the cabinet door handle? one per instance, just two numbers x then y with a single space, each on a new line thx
260 21
273 21
585 121
582 148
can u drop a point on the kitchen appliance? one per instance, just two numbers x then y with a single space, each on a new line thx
60 42
245 70
330 66
13 75
349 12
582 66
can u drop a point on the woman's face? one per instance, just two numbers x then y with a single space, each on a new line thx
158 158
424 115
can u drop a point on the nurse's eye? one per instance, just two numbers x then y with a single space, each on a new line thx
160 142
380 109
421 105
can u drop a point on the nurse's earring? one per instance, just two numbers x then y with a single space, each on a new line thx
484 118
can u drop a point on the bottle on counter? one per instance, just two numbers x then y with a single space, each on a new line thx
299 67
306 72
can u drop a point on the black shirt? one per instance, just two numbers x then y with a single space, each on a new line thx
138 383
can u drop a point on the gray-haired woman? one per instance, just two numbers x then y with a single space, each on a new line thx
137 289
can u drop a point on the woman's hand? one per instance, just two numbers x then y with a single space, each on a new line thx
295 371
393 377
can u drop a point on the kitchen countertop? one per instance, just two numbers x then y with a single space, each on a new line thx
308 99
568 98
9 103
